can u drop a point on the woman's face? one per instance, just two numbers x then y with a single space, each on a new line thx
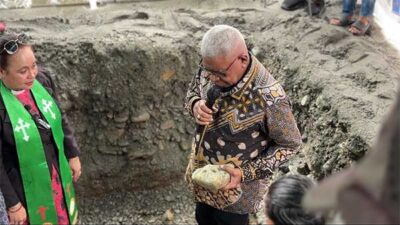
21 69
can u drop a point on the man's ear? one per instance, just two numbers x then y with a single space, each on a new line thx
245 59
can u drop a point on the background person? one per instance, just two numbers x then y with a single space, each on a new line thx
360 26
37 147
284 202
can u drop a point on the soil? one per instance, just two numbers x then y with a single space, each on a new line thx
122 72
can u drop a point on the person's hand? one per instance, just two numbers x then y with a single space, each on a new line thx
236 177
202 113
75 165
17 214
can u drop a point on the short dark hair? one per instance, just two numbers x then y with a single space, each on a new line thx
4 56
283 203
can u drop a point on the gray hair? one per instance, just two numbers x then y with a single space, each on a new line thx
220 40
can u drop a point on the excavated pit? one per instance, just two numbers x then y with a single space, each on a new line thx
122 74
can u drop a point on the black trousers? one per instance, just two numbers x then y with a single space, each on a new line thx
207 215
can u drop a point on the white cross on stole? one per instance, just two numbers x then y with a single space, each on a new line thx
22 126
47 108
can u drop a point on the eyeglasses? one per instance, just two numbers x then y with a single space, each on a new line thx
208 72
11 47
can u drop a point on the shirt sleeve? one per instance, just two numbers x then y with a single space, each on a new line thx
193 94
9 194
70 144
284 141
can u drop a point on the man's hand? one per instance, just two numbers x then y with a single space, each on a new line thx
17 214
236 177
75 165
202 113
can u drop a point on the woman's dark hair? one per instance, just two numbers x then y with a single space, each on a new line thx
283 203
4 39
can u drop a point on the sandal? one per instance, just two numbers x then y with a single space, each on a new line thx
344 20
293 4
317 7
361 27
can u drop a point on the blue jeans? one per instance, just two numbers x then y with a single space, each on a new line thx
367 7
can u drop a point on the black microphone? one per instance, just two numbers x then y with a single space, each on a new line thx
36 118
212 95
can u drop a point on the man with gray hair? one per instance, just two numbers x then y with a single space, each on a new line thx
244 119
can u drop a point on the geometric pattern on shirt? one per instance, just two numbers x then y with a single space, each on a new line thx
249 110
235 123
270 163
272 93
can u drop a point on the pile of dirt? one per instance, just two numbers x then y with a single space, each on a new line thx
122 73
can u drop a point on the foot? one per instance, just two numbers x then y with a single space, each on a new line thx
344 21
357 30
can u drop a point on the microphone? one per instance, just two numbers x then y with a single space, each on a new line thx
212 95
37 118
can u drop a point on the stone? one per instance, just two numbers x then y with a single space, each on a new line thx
167 74
123 143
160 145
110 115
169 198
108 150
141 118
305 100
100 136
185 145
143 154
211 177
168 215
181 128
114 134
167 125
322 103
122 117
120 125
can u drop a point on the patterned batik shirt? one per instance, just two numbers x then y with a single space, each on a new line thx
253 129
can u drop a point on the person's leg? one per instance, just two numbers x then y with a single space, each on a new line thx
366 12
349 7
367 8
205 214
347 13
227 218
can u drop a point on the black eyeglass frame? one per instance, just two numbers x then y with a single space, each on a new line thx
214 72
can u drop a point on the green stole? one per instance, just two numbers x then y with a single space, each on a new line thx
32 160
